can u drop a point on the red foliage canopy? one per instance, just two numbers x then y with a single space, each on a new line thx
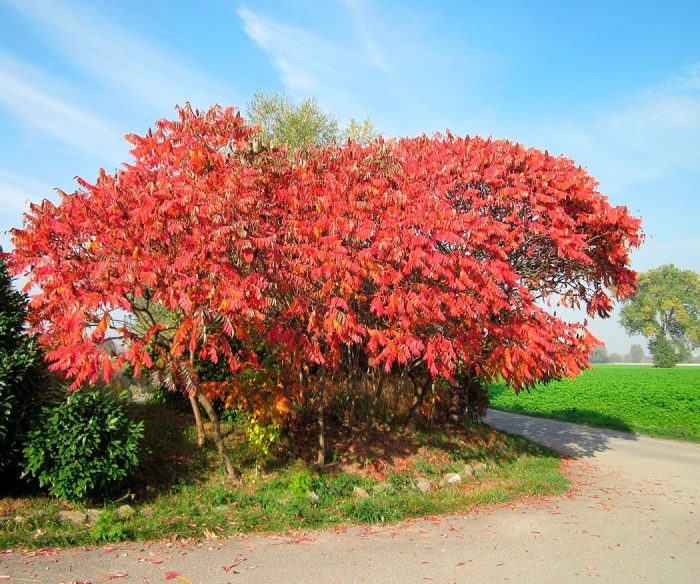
439 250
436 250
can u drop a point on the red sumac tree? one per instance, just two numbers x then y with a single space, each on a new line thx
419 254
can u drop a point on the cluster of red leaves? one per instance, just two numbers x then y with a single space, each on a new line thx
435 250
439 249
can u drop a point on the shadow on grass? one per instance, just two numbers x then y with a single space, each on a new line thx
383 448
169 453
346 445
573 439
170 457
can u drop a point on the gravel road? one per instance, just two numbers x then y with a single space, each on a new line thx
633 516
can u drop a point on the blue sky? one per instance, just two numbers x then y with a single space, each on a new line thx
614 85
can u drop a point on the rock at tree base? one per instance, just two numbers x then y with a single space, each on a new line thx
360 493
125 511
93 514
423 485
74 517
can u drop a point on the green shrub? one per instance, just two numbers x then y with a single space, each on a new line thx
175 400
23 382
473 397
109 527
301 483
83 446
664 352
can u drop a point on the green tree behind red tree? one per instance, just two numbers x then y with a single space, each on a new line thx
423 254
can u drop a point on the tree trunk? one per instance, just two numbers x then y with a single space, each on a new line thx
455 404
218 438
201 436
373 406
321 458
421 391
353 401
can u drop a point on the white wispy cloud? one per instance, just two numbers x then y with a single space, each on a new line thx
358 10
17 191
117 57
33 98
660 129
306 61
369 61
651 136
314 63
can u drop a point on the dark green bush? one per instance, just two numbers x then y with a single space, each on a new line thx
84 446
23 382
472 397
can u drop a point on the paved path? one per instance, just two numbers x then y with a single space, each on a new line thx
634 517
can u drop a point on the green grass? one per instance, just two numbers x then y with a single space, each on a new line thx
185 495
647 400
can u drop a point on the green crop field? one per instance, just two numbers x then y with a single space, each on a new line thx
634 398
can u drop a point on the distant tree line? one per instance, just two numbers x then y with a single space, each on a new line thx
635 355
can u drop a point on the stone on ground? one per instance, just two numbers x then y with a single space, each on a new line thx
422 484
360 493
74 517
125 511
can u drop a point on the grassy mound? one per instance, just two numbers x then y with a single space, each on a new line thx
181 491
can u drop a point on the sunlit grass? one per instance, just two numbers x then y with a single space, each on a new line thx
182 491
648 400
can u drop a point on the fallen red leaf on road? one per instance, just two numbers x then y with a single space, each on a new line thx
177 576
43 552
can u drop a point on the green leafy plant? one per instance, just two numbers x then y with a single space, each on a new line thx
260 436
338 485
301 483
83 446
109 527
